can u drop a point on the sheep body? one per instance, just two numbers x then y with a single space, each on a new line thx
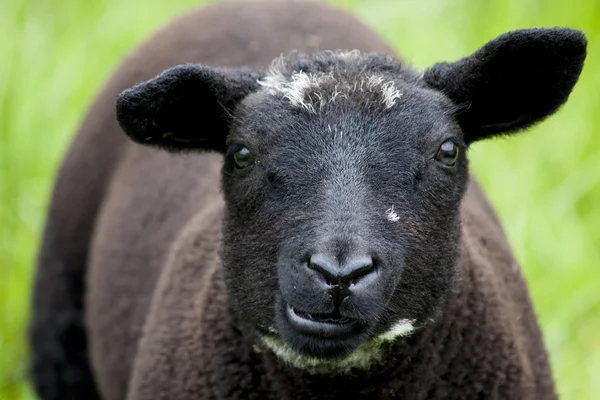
131 298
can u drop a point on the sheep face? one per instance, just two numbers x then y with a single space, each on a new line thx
343 176
342 186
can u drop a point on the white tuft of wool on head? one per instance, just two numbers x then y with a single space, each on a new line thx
303 89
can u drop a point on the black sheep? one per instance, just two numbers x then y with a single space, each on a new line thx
321 238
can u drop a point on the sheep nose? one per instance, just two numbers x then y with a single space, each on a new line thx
350 272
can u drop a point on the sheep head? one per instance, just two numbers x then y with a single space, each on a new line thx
343 175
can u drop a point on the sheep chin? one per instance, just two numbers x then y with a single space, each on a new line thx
367 354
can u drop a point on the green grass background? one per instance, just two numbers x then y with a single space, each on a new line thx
55 55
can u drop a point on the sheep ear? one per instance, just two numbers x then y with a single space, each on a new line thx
185 107
513 81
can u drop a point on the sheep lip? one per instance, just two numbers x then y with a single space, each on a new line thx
322 325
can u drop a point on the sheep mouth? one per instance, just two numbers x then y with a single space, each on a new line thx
317 335
334 318
324 325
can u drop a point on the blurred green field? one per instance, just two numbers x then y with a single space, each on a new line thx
55 55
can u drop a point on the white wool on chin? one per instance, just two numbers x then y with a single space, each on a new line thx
362 358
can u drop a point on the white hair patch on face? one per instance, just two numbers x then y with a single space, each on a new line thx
391 215
374 81
362 358
275 77
390 94
272 329
295 88
401 328
307 89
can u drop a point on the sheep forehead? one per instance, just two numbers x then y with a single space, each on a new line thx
312 91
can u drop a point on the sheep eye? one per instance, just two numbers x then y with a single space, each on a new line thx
448 153
242 157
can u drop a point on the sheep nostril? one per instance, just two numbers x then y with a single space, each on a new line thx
368 269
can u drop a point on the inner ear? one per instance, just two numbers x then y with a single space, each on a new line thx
185 107
512 82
